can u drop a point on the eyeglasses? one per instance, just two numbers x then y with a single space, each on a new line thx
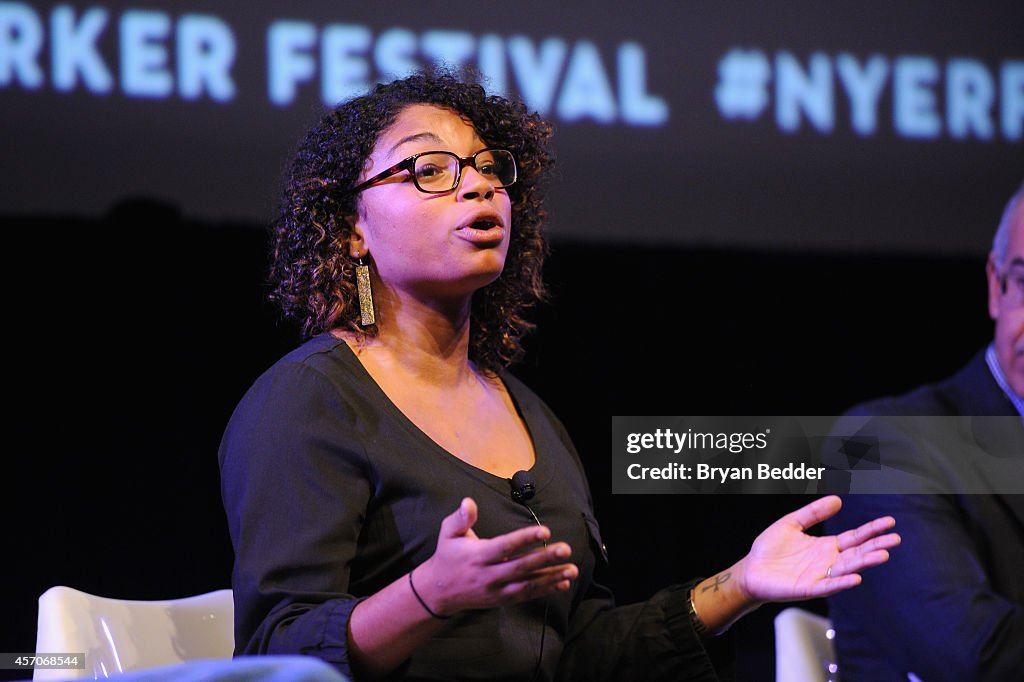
1012 284
439 172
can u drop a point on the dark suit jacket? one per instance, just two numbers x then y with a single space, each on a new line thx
949 604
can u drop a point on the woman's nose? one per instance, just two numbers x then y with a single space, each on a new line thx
473 184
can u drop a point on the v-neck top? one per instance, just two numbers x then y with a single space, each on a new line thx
332 493
523 400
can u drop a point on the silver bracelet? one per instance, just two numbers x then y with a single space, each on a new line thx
699 626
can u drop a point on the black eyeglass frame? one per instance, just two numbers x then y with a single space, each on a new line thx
409 164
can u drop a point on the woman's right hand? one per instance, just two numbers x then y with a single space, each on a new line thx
465 572
468 572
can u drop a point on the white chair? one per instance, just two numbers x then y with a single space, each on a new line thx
118 635
803 647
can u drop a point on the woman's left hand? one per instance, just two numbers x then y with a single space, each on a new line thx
787 564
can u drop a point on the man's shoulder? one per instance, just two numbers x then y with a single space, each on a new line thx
928 400
971 391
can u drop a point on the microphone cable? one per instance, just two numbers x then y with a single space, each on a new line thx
523 491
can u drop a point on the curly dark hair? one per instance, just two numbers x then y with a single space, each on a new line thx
312 272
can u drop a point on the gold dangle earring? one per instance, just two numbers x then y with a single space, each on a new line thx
366 314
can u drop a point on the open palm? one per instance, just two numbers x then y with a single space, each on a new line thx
786 564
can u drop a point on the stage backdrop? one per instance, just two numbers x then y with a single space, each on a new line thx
894 126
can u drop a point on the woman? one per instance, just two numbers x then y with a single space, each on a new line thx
366 475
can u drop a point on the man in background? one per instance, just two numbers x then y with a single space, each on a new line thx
949 605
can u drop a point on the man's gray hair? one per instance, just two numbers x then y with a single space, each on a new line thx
1001 242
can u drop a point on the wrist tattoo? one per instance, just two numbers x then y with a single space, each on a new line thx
719 579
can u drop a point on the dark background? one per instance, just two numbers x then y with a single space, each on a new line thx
704 267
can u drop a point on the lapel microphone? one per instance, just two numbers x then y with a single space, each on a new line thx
523 489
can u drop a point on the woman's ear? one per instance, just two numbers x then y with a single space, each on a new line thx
356 244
